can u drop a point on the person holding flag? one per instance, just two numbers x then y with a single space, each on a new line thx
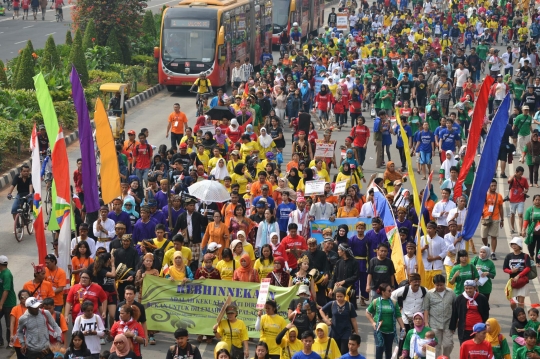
434 250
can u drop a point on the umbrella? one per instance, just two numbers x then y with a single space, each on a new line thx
210 191
220 112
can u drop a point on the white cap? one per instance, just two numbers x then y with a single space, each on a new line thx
303 289
213 246
3 260
32 303
295 24
518 241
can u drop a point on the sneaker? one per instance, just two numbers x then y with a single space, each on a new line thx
152 341
513 231
102 341
503 175
493 256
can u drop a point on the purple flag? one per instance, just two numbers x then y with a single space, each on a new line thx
90 186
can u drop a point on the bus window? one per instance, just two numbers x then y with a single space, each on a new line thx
189 44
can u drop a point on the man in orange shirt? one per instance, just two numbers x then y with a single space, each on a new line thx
38 287
177 125
492 217
57 277
228 208
256 187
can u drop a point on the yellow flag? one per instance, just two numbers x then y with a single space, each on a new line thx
397 257
109 173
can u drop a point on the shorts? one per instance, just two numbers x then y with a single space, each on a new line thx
112 298
517 207
15 8
425 158
503 154
490 231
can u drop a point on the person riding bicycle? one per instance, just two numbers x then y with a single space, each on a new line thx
46 168
43 142
23 183
58 6
296 35
204 86
284 40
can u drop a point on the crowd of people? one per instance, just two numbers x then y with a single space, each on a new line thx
428 63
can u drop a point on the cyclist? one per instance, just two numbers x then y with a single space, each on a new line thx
23 183
296 36
58 6
204 86
284 40
43 142
46 169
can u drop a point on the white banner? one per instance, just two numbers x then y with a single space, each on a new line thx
263 293
342 22
324 149
210 129
341 186
314 187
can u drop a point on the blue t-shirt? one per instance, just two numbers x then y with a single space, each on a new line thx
348 356
397 131
449 139
282 215
269 201
425 138
301 355
386 136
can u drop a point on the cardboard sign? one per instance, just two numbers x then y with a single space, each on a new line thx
210 129
263 293
430 352
314 187
342 22
222 311
341 186
324 149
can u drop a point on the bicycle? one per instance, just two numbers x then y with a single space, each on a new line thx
199 103
47 202
59 15
23 218
9 5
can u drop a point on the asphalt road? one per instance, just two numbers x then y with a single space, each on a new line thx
15 33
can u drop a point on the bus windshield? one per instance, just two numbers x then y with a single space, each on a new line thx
189 44
280 13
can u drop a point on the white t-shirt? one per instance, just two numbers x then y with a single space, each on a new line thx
506 58
461 77
495 64
93 324
91 245
353 20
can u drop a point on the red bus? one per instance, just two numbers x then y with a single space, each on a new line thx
208 36
308 13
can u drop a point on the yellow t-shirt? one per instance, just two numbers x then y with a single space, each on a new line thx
288 347
226 269
263 268
238 329
263 150
271 326
187 256
212 163
241 180
247 148
159 244
203 85
320 348
323 174
204 158
249 250
231 164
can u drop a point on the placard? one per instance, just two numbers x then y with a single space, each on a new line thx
324 149
314 187
263 293
222 311
342 22
341 186
430 352
210 129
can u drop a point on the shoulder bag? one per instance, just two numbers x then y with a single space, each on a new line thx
489 221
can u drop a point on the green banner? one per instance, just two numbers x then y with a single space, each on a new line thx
196 305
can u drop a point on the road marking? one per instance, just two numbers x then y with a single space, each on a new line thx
26 27
52 33
20 42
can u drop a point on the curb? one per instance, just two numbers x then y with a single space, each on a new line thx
7 178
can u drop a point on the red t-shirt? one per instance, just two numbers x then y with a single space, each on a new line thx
78 294
360 134
470 350
472 317
516 189
133 326
143 156
297 242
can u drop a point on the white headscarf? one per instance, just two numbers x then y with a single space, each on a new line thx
448 163
220 173
265 140
234 121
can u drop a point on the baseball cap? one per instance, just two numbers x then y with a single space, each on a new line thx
260 205
477 328
264 186
300 199
3 260
183 145
131 132
213 247
39 268
32 303
235 152
525 108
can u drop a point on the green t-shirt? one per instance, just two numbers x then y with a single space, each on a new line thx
501 350
523 123
386 103
6 283
407 342
465 273
485 265
517 90
532 325
387 315
482 51
521 353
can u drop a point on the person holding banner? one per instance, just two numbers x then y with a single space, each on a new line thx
233 331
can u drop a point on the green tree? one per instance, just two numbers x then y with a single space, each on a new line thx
25 71
76 57
69 40
126 51
149 25
51 59
90 36
3 77
78 37
29 45
112 42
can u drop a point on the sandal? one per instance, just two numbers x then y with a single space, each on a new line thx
363 302
152 341
200 338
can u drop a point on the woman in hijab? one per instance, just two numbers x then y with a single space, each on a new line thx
484 264
221 140
129 208
202 121
519 321
308 176
305 94
279 277
449 162
128 322
208 141
294 178
246 273
498 342
531 150
266 143
121 348
349 158
418 338
234 132
220 171
249 131
391 175
321 345
178 271
237 249
341 235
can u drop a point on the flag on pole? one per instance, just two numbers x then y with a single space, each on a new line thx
62 207
383 210
89 179
486 167
39 223
109 173
420 262
474 134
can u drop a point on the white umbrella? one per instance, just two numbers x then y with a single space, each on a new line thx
209 191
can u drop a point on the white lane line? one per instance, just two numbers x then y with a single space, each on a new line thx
52 33
20 42
26 27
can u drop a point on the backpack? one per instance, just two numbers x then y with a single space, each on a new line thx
406 291
533 273
159 254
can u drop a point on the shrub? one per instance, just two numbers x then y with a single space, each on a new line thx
3 77
65 111
50 58
126 51
25 71
149 25
76 57
63 51
141 60
78 37
69 39
114 45
31 46
98 58
10 135
90 35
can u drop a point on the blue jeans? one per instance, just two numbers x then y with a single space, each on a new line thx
17 201
385 347
142 173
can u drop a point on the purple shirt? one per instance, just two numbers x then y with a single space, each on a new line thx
373 240
143 230
122 217
174 213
